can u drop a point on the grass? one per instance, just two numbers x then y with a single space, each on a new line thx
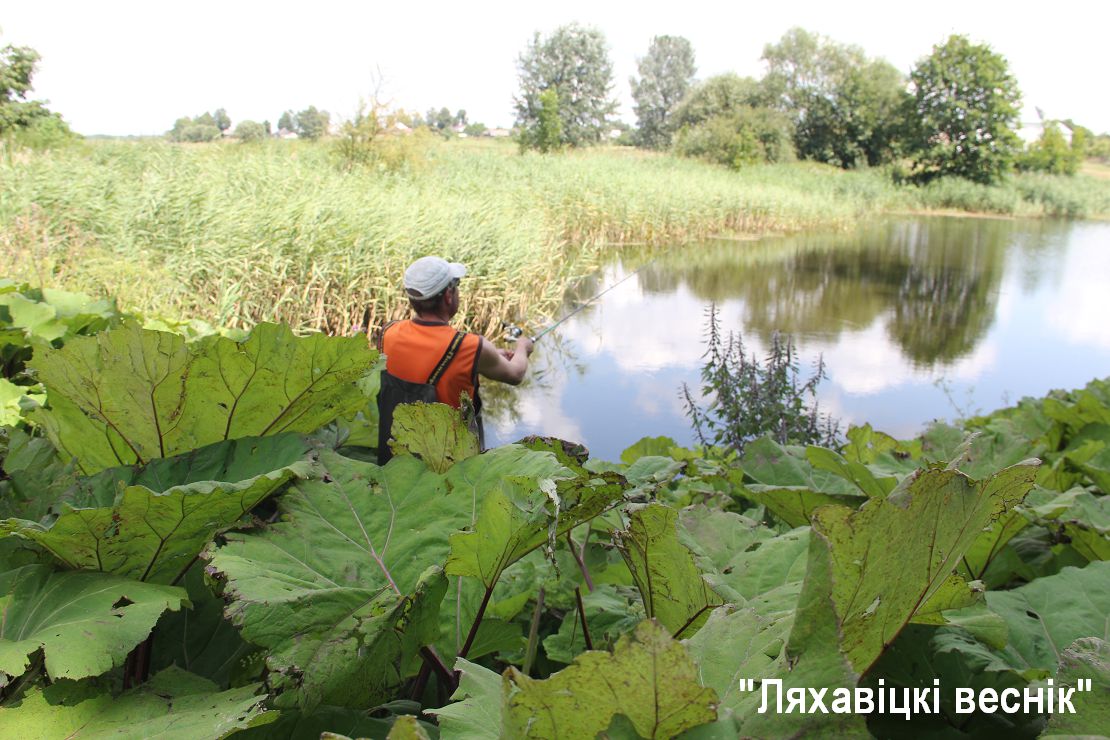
237 234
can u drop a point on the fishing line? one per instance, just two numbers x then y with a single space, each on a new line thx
515 331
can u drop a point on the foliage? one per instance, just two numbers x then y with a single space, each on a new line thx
745 137
29 121
574 62
547 135
250 131
665 77
964 110
751 398
1052 153
202 128
725 120
220 118
326 591
844 106
311 124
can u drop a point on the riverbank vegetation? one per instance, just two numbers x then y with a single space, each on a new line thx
285 231
190 538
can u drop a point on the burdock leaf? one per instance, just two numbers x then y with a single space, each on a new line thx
520 514
172 705
672 587
891 557
475 712
131 395
1053 611
169 509
1087 659
85 623
434 432
649 678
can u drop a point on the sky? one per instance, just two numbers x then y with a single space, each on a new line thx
121 68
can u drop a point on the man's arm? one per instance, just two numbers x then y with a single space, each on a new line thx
505 366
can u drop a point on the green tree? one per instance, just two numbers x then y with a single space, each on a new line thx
666 74
17 68
200 129
547 133
725 120
220 118
250 131
574 62
1052 153
845 107
311 123
965 109
287 121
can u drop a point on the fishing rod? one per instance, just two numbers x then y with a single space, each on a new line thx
515 332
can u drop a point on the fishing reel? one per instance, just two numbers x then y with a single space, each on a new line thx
512 331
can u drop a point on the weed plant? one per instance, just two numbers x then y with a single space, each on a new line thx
751 399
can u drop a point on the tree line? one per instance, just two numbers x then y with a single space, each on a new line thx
956 113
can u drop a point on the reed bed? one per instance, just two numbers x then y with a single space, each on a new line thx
237 234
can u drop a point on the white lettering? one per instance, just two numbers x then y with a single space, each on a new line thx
796 698
905 708
1065 699
778 695
864 696
965 701
1031 696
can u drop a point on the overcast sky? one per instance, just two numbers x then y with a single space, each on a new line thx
134 67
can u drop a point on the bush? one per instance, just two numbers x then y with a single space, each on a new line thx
1051 153
744 137
45 132
250 131
752 399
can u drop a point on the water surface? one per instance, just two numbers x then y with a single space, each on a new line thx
916 318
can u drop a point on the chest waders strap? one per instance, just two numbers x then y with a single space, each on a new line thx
445 361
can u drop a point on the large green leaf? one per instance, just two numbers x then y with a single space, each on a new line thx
739 558
85 623
434 432
35 482
671 586
153 534
1087 659
337 575
172 705
770 464
649 678
611 612
1087 524
11 401
891 557
520 514
921 655
131 395
870 484
1047 615
475 712
201 641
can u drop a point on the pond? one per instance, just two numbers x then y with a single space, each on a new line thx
916 318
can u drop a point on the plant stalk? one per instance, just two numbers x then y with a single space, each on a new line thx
533 635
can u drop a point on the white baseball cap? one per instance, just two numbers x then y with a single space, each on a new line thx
430 276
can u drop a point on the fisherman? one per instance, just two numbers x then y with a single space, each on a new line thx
427 360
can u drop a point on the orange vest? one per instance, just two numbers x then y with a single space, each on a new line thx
412 348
